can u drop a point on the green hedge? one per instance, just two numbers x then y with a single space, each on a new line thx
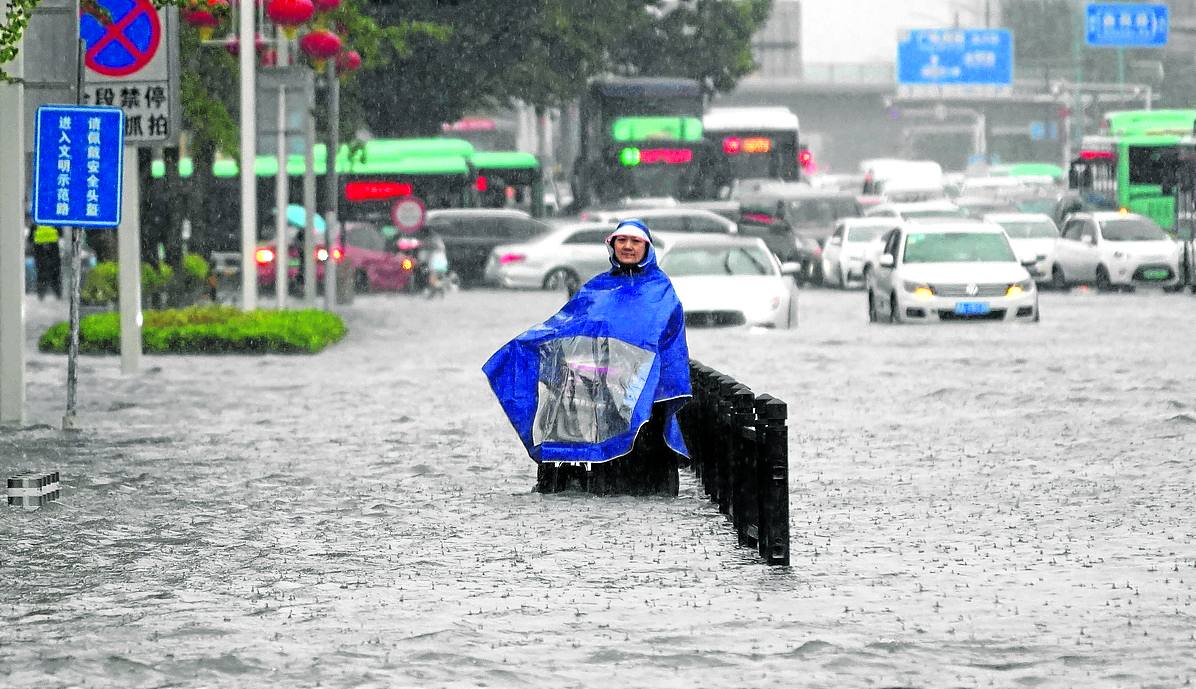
102 287
206 330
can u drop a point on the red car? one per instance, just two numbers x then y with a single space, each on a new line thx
377 263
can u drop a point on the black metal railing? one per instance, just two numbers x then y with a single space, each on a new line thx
739 448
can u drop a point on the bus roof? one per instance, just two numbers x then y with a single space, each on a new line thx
645 87
1133 122
750 119
504 160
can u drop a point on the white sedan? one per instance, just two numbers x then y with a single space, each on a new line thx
949 272
730 281
1113 250
844 255
1033 236
564 258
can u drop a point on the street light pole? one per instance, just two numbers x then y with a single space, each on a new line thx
12 243
248 60
331 183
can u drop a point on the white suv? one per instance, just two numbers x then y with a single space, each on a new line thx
1111 250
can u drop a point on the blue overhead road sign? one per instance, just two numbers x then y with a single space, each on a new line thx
1127 24
948 57
78 163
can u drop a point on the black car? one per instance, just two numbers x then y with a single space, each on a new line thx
470 234
795 223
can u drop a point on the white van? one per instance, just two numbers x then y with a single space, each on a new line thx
903 180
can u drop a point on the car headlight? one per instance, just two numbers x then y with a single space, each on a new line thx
918 289
1017 289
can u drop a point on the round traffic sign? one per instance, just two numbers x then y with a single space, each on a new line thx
408 214
122 36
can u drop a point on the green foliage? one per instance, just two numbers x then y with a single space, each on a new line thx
102 283
16 20
206 330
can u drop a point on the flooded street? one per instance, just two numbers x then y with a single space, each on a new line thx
972 505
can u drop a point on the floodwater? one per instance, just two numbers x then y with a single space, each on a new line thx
972 505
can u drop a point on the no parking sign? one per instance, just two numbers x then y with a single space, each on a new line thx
131 53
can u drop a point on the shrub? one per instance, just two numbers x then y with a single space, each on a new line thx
206 330
102 283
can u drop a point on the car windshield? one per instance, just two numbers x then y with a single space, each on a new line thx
1029 229
863 235
717 260
1131 230
956 247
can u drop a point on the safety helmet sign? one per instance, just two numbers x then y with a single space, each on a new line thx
121 36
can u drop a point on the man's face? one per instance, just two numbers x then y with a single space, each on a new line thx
630 250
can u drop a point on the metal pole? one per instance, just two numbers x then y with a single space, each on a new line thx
309 200
128 254
12 243
1121 69
281 249
72 350
248 65
72 347
331 183
1077 110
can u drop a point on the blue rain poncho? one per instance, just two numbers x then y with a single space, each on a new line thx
580 386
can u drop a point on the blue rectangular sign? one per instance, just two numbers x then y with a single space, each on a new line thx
1127 24
939 57
78 166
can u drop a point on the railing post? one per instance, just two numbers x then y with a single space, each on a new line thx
774 480
743 419
726 428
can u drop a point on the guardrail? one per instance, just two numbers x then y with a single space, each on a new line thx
739 447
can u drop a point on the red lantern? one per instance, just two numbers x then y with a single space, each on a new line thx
326 5
290 14
269 57
348 61
319 45
204 22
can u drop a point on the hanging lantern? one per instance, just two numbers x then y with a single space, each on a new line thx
269 57
290 14
348 61
204 22
319 45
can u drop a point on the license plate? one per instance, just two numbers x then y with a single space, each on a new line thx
1156 274
971 308
294 263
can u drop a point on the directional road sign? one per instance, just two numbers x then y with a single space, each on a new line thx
78 163
131 53
1127 24
955 58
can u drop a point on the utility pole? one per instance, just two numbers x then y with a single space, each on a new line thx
12 242
248 64
331 183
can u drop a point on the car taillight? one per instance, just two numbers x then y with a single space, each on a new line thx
408 264
264 256
511 258
337 253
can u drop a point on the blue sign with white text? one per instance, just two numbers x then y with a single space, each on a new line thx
78 166
1127 24
940 57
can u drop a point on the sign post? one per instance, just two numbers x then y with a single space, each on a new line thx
78 157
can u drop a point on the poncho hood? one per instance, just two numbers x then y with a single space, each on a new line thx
579 386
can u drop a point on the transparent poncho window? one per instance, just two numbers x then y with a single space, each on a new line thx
588 388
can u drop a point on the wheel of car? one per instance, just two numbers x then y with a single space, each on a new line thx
1058 280
817 275
1103 283
873 316
562 279
361 282
894 309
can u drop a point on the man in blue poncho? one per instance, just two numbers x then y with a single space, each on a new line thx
593 392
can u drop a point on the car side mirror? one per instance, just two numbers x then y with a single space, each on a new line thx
886 261
835 241
1028 262
1091 241
790 268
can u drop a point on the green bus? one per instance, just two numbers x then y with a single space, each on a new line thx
442 172
1131 165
